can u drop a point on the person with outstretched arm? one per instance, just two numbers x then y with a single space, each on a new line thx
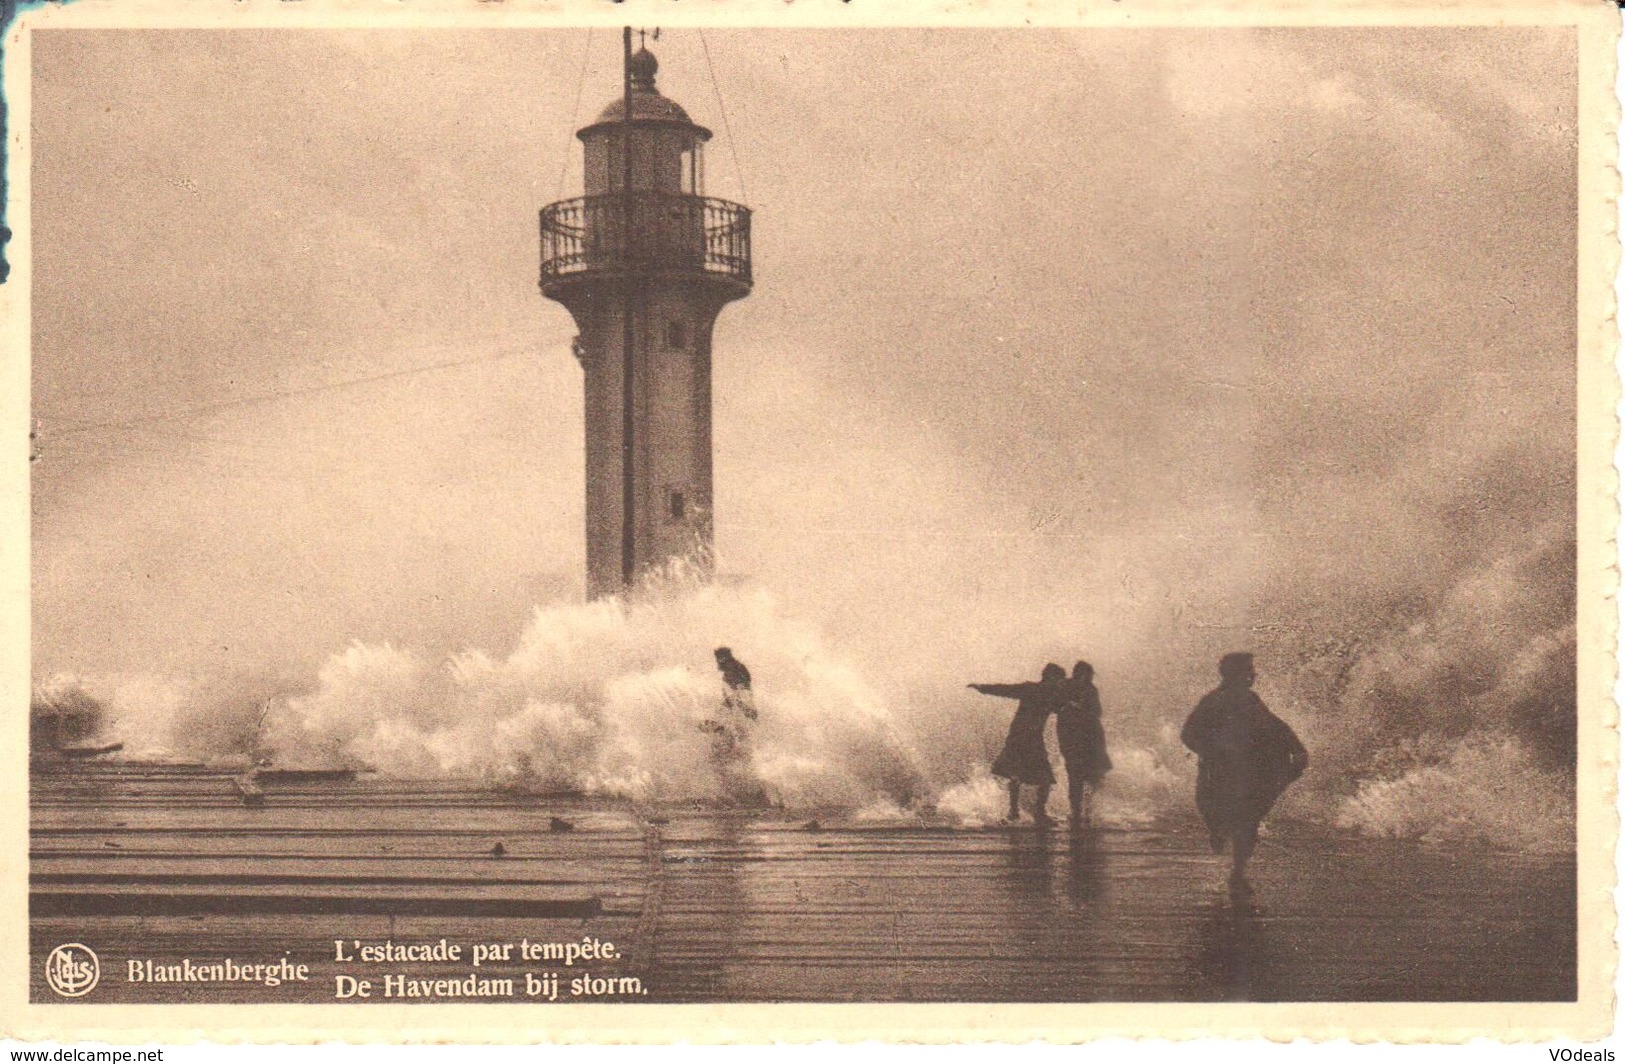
1024 760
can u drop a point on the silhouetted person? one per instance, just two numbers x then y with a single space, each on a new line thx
1248 756
736 678
1024 759
730 733
1082 739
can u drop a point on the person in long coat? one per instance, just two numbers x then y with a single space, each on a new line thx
1024 759
1081 735
1247 756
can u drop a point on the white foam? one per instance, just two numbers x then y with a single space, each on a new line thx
1485 790
608 698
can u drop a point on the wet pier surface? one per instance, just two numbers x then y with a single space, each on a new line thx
169 866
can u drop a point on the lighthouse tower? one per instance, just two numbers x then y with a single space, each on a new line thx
645 262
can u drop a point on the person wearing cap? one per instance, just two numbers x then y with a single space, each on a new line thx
1024 760
1081 736
1246 757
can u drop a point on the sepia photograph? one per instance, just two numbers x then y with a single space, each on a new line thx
659 512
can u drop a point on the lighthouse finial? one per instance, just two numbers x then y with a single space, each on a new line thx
642 66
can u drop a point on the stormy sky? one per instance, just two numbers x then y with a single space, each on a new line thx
1128 344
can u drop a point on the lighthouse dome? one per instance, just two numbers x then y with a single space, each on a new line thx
647 106
647 103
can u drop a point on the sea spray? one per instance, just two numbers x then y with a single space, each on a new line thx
1140 789
1447 721
212 720
1448 713
609 698
62 712
1487 789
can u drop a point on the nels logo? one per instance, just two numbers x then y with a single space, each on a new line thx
72 970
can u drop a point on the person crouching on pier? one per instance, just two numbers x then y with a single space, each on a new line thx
1024 760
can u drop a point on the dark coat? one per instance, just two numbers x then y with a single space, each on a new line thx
1080 734
1248 756
1024 758
734 673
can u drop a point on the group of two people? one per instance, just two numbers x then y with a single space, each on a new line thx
1079 733
1246 755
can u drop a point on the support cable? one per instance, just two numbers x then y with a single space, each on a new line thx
733 147
268 397
575 113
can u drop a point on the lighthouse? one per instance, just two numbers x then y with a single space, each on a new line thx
645 261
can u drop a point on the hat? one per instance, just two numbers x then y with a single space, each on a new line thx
1236 665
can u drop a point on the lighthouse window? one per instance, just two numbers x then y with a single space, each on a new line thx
688 172
676 334
677 506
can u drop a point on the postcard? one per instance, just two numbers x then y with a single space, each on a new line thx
645 522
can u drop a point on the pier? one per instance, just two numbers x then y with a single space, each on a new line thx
158 865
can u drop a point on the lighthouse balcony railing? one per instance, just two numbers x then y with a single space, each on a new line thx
654 231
